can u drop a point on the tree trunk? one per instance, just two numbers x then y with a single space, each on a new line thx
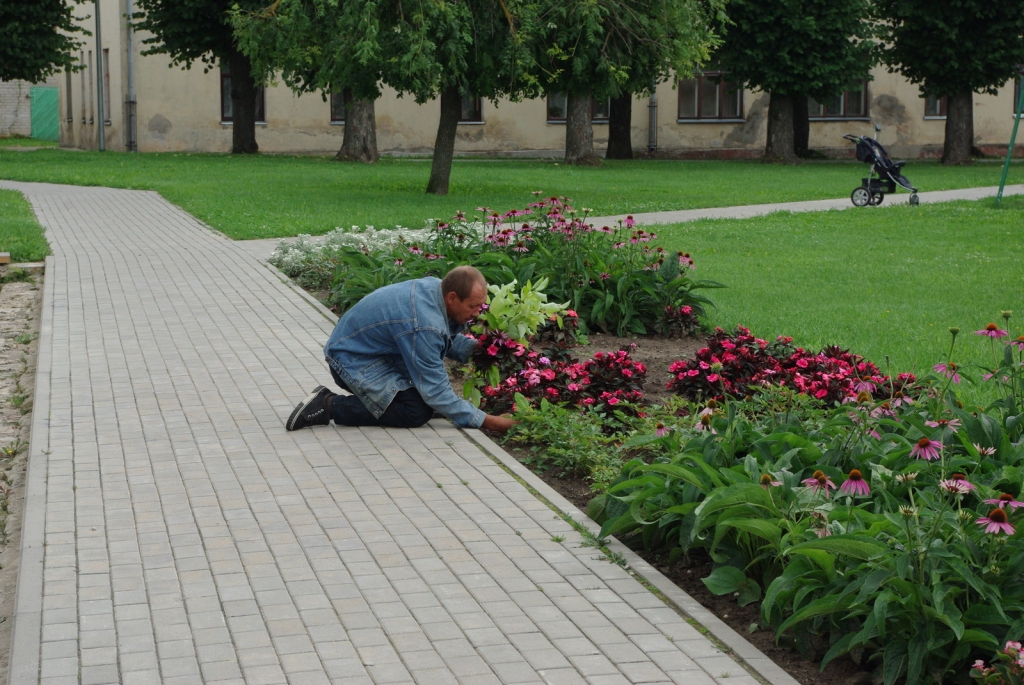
956 149
579 131
801 126
243 104
779 147
444 144
360 141
620 125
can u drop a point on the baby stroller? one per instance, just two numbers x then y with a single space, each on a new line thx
872 190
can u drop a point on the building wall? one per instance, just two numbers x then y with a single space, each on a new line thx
16 106
179 110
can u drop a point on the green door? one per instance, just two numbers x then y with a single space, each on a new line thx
45 114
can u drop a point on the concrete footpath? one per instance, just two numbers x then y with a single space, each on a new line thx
175 533
262 249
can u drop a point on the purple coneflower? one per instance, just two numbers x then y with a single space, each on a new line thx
768 482
521 247
984 451
996 522
949 370
819 481
951 424
399 262
415 249
957 484
926 448
1005 500
992 331
855 485
1018 343
630 222
660 429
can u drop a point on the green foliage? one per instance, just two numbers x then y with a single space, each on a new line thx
189 30
953 47
20 232
796 47
518 314
37 39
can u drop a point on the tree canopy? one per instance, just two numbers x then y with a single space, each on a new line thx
37 39
795 48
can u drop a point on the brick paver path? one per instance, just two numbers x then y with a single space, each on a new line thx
176 533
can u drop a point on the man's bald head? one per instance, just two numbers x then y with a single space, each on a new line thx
462 280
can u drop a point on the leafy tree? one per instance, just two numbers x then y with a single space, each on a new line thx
954 48
793 48
315 47
37 38
616 48
199 30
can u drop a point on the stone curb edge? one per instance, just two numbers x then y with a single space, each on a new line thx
746 653
26 633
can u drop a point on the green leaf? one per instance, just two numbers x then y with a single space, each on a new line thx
894 662
725 580
854 546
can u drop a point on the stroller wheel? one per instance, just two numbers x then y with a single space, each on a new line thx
860 197
876 198
914 199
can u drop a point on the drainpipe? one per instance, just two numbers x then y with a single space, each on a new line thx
652 120
101 133
133 145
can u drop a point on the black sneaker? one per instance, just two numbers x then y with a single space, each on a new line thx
311 411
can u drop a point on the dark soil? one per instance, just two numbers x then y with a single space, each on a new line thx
657 354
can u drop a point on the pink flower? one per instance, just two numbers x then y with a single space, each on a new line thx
492 350
925 448
819 481
1018 343
949 370
855 485
630 222
544 360
992 331
574 387
951 424
768 482
605 275
996 522
712 377
660 429
957 484
521 247
1005 500
618 246
415 249
399 262
984 451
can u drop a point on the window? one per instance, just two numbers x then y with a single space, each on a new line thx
69 108
338 108
934 107
557 107
850 104
106 86
225 99
708 96
472 112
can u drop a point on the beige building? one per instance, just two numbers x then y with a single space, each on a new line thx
177 110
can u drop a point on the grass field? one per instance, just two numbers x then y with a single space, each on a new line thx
20 233
267 196
885 282
25 142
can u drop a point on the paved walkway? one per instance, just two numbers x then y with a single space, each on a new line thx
262 249
176 533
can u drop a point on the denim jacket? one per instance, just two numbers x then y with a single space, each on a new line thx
396 338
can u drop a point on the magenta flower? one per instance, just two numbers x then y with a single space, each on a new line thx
1005 500
925 448
521 247
415 249
630 222
949 370
1018 343
957 484
605 275
992 331
855 485
492 350
661 429
819 481
951 424
768 482
996 522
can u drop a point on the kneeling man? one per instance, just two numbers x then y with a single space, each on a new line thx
389 350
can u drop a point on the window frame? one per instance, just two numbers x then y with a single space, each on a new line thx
561 120
479 108
844 116
261 99
722 88
337 120
943 102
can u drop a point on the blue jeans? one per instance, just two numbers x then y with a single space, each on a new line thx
407 409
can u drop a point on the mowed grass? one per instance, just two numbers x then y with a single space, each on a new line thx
25 142
267 196
880 281
20 232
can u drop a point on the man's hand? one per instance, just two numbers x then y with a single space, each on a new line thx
498 424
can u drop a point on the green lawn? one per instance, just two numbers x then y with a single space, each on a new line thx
268 196
25 142
20 233
886 281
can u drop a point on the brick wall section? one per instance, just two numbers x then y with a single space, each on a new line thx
16 107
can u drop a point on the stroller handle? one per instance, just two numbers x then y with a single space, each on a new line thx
850 136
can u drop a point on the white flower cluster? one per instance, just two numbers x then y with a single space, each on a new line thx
311 260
